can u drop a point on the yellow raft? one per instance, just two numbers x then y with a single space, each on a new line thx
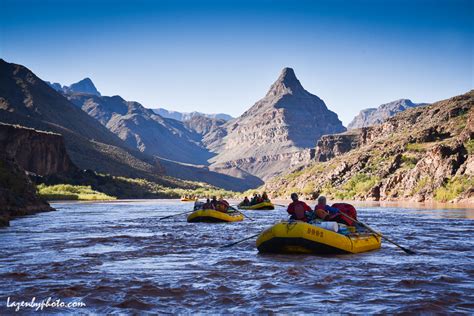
188 200
213 216
301 237
267 205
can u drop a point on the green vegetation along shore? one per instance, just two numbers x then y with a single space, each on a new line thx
96 186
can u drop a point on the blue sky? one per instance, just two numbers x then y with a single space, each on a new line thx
222 56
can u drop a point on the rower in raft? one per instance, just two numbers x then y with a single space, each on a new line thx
258 202
214 211
323 231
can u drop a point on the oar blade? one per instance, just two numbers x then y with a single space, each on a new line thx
408 251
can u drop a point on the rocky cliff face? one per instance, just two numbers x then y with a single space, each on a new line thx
373 116
421 154
330 146
286 122
37 152
17 193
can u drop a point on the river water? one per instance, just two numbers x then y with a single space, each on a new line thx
118 257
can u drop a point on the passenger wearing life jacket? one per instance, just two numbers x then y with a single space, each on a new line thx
222 205
298 209
265 197
208 205
333 213
245 202
253 201
214 201
324 211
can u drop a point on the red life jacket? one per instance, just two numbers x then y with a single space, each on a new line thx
348 209
298 209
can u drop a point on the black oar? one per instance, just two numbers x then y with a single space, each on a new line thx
232 207
175 215
238 242
408 251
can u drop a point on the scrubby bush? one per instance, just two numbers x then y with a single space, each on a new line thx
453 188
71 192
409 161
470 146
416 147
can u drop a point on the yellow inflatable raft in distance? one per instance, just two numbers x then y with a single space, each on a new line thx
260 206
188 200
301 237
213 216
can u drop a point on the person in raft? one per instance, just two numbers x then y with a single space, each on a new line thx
222 205
335 212
324 211
208 205
298 210
245 202
265 197
253 201
214 202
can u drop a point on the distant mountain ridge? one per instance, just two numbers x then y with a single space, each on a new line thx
176 144
186 116
83 86
373 116
141 128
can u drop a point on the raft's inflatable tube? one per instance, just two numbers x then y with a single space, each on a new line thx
259 206
301 237
213 216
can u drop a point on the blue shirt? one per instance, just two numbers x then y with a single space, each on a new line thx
329 209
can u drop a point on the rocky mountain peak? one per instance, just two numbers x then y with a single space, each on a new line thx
276 133
287 83
84 86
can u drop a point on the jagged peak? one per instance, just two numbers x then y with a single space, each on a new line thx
287 83
85 86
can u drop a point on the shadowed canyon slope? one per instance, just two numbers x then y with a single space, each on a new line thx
141 128
421 154
276 133
175 144
27 100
